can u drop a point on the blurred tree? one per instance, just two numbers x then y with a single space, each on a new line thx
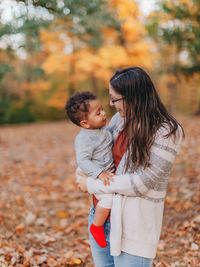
175 27
82 18
178 23
27 81
67 57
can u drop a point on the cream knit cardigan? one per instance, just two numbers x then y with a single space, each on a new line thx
138 198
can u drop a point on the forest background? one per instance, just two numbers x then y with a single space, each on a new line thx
51 49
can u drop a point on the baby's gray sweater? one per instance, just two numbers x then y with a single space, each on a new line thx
94 151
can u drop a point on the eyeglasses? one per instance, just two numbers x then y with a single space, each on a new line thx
116 100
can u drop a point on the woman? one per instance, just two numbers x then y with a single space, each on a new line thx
146 141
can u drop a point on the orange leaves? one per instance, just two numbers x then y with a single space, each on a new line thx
133 30
108 55
53 41
76 62
62 215
36 87
20 228
43 213
58 98
125 8
110 35
74 261
43 217
57 63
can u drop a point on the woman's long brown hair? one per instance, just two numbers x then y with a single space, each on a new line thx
144 114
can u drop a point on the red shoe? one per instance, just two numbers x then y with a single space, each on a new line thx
99 235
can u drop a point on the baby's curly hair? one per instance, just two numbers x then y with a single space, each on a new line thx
77 106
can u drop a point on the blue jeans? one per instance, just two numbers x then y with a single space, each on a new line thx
102 257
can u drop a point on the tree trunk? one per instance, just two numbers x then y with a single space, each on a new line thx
173 96
198 110
94 85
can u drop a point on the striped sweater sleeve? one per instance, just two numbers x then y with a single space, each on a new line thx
151 182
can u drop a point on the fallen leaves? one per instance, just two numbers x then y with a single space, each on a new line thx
63 215
74 261
43 216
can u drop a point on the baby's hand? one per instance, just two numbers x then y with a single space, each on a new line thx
106 176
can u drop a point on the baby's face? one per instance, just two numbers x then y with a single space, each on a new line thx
96 117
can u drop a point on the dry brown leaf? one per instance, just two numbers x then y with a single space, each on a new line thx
74 261
20 228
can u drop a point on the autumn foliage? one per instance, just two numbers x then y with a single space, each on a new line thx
75 63
64 59
80 44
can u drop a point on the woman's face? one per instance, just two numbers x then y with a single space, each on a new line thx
119 105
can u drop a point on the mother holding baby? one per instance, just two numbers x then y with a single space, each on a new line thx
146 142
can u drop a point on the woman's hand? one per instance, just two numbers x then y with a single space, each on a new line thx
82 181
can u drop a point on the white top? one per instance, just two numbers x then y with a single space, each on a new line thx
138 198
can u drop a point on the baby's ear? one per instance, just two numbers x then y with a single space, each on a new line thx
84 124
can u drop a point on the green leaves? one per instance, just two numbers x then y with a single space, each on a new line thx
82 18
177 24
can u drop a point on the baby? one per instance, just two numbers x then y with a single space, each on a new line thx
93 146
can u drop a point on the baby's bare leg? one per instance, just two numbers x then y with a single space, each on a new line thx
100 216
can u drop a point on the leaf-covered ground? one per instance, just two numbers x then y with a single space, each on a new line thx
43 217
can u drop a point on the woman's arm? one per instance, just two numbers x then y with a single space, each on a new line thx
151 180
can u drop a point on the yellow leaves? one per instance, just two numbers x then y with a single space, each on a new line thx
139 54
125 8
62 214
58 99
187 2
92 62
113 55
110 35
67 56
132 30
86 60
74 261
35 87
52 41
57 63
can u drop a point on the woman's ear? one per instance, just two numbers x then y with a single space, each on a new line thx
84 124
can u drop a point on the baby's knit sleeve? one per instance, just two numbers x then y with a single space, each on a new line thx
84 150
